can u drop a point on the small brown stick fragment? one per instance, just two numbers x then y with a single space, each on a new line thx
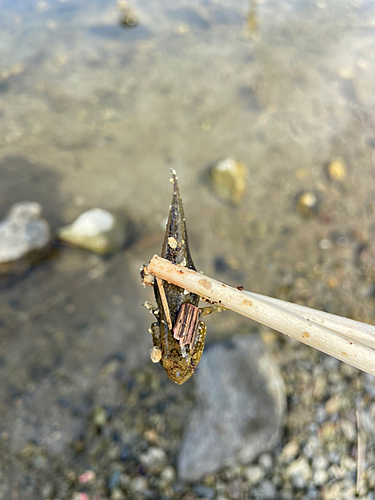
185 329
164 302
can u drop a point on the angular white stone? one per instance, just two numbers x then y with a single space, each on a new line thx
23 231
96 230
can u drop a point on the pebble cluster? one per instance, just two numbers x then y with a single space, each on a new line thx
130 450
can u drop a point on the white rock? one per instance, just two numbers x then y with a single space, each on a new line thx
300 472
168 475
153 459
254 474
320 477
139 484
320 463
96 230
23 231
290 451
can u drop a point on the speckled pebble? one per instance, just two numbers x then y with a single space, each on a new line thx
47 490
320 463
300 472
290 451
204 491
153 459
40 462
308 204
266 491
99 416
114 479
254 474
229 180
349 430
320 477
336 170
139 484
311 446
117 494
348 463
333 404
266 460
168 475
125 453
22 233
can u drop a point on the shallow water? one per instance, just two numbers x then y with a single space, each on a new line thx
92 114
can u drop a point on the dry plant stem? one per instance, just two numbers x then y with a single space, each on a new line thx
164 301
361 454
269 312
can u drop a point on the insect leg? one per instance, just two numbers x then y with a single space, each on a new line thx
211 309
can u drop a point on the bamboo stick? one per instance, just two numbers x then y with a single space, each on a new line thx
360 332
314 328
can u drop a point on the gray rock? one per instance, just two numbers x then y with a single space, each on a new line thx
240 404
96 230
23 234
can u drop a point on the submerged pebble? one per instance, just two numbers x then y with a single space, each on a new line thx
128 18
300 472
336 170
254 474
96 230
24 236
308 204
153 459
204 491
229 180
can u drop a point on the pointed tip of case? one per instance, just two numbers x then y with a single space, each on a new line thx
174 180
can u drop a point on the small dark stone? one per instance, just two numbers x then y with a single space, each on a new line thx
116 437
125 454
114 480
204 491
63 402
14 303
221 265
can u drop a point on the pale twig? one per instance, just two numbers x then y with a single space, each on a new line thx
361 454
360 332
164 302
346 340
